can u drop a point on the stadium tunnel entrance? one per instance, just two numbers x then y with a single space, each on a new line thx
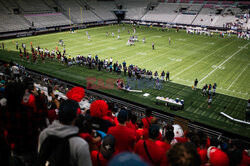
120 15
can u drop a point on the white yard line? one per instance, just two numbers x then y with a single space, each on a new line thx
223 63
159 55
237 78
200 60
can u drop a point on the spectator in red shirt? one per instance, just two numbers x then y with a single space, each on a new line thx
140 129
169 135
245 159
147 120
217 157
102 157
124 136
131 120
149 150
5 153
21 122
183 154
154 120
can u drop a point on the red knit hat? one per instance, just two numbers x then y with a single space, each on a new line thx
98 108
217 157
76 93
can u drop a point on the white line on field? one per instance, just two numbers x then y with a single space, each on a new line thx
237 77
223 63
200 60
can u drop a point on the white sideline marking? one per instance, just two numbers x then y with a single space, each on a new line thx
242 47
222 63
141 53
222 68
200 60
237 77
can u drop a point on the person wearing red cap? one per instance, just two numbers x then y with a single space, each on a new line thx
125 137
149 150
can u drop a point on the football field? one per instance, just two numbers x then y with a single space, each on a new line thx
224 61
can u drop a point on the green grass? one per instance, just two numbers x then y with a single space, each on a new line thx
209 59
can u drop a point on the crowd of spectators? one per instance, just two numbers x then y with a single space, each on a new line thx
99 133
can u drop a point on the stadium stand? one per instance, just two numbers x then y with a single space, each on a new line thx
164 12
244 3
198 1
212 2
103 9
47 20
12 22
194 8
10 5
77 11
206 16
134 9
50 13
50 3
184 1
184 18
228 16
227 2
33 6
188 14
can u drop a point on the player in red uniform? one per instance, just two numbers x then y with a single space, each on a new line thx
43 58
21 54
34 57
27 57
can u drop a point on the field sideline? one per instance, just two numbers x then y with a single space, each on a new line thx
209 59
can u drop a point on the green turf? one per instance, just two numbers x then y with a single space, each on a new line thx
210 59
